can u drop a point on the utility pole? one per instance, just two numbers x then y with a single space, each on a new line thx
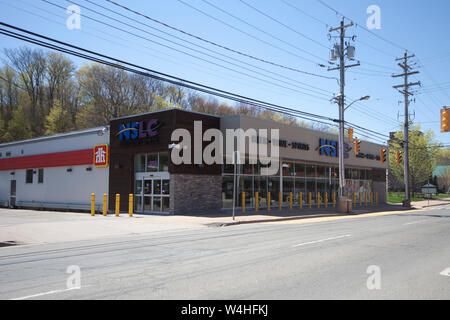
406 72
341 102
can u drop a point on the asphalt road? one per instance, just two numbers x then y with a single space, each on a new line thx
397 256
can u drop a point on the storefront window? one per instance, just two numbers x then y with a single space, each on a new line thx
288 169
152 163
138 204
165 204
147 204
248 169
288 186
310 171
163 162
157 186
148 187
299 170
139 163
156 204
322 172
166 187
138 187
310 187
261 188
227 192
274 189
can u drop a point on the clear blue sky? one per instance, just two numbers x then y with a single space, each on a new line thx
420 26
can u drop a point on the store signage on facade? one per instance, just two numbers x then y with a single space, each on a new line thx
328 147
283 143
138 130
101 155
368 156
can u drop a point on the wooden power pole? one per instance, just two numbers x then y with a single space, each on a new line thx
404 89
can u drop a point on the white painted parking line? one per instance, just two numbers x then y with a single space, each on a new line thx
322 240
46 293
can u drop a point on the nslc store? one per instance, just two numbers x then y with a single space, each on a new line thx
141 163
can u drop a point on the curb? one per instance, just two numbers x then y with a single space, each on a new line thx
234 223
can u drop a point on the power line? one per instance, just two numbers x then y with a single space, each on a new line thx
160 76
305 13
191 55
250 35
362 27
283 24
211 42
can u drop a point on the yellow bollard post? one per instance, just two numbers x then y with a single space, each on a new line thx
243 202
117 204
376 198
290 200
130 204
326 200
309 199
268 201
280 201
360 199
318 200
92 204
105 204
256 201
365 198
300 200
334 199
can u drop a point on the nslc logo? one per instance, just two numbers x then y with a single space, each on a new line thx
101 155
328 148
138 130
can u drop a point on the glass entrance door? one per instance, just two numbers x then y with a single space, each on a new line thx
152 194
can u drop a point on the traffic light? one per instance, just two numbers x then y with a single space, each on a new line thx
350 135
399 157
357 144
445 115
383 155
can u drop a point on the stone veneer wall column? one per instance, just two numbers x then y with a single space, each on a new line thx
196 194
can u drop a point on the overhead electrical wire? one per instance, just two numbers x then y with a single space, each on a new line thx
362 27
115 37
181 51
283 24
250 35
211 42
151 73
163 77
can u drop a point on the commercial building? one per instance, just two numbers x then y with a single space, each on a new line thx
140 162
54 172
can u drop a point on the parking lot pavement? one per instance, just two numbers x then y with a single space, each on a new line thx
34 227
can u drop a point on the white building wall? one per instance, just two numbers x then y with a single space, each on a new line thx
61 189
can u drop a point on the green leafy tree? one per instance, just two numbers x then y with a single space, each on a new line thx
422 153
19 126
58 120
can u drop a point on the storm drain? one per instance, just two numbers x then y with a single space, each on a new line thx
8 243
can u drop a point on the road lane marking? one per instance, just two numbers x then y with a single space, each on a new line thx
322 240
414 222
445 272
46 293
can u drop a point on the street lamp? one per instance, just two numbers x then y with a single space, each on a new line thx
360 99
